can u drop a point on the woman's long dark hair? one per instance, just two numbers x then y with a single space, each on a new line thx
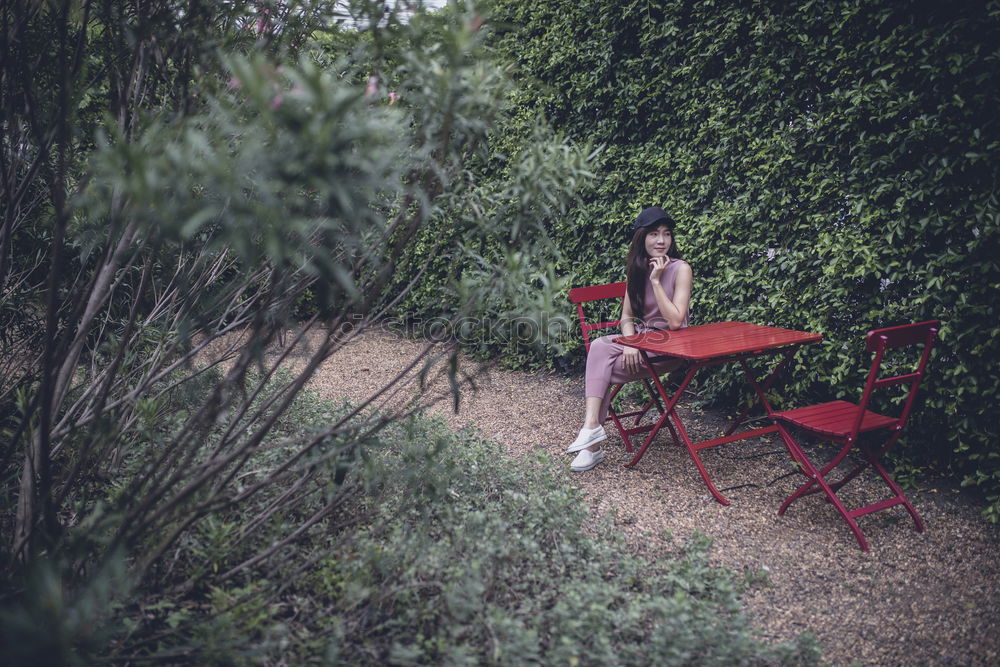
637 267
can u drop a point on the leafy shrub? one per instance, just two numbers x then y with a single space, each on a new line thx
828 163
189 230
442 550
159 512
473 557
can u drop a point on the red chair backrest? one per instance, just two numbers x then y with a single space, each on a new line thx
880 340
905 334
582 295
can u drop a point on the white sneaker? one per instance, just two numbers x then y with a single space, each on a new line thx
586 438
586 460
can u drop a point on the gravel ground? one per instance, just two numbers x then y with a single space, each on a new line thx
915 598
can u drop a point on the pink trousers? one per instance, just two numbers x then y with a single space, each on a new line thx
604 368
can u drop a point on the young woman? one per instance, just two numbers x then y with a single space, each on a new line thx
657 297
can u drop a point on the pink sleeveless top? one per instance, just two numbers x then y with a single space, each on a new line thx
651 318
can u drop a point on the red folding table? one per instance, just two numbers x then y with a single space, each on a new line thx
711 345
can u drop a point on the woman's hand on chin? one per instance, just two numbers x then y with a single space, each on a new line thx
656 266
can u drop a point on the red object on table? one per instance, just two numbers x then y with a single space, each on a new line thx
843 422
710 345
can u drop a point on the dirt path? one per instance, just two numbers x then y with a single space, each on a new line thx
915 598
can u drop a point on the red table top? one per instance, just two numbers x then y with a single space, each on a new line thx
718 339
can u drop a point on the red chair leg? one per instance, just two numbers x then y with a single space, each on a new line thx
673 434
897 490
817 479
836 486
613 416
655 398
626 431
799 456
844 512
898 497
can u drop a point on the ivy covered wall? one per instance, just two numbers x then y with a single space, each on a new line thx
834 166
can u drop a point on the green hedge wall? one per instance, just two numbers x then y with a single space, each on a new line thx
834 166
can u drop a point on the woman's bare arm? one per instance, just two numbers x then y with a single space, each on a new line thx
675 310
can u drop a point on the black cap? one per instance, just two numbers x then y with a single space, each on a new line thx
654 215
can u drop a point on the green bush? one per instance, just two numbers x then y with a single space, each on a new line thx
442 550
829 164
471 557
439 549
238 178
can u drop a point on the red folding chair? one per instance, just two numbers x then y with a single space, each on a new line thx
582 295
845 423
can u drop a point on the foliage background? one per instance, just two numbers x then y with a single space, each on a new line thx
832 165
179 172
179 180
